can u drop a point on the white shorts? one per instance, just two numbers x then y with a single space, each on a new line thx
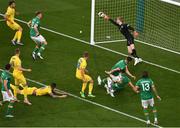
6 97
146 103
117 79
38 39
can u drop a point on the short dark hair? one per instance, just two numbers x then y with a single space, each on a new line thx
17 51
85 54
11 2
38 12
145 74
7 66
129 59
53 85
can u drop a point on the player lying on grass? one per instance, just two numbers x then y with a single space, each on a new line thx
126 30
115 83
6 90
9 17
145 86
81 74
50 90
35 35
121 66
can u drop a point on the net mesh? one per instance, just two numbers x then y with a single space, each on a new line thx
157 22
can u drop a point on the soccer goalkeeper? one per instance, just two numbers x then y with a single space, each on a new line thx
126 30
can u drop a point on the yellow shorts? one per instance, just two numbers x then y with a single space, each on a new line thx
14 26
19 79
86 77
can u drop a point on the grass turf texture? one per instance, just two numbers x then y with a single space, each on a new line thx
59 66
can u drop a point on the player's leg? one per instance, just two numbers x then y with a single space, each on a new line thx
16 86
84 85
91 84
15 91
154 110
18 33
23 84
43 45
145 109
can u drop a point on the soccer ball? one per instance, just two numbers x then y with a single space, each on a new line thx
101 14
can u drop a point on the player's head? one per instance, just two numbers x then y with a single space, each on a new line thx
128 59
12 3
86 55
8 67
120 20
53 86
39 14
17 51
145 74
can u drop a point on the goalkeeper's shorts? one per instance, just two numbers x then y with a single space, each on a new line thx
130 40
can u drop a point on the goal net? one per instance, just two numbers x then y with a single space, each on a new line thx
157 21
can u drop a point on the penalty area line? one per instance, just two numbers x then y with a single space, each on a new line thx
99 105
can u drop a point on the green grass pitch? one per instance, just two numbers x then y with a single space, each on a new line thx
69 17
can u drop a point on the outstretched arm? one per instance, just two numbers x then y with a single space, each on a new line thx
127 72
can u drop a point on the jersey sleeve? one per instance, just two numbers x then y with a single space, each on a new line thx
113 22
83 65
8 12
137 83
130 28
49 91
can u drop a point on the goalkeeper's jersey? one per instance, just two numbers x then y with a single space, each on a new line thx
145 85
35 21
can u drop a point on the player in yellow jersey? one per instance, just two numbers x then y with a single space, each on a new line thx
19 78
9 17
81 73
47 90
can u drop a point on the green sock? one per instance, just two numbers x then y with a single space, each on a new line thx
10 108
154 111
146 114
42 48
35 50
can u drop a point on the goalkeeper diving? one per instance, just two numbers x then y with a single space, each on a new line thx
126 31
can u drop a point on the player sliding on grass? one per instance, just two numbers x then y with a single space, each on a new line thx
81 73
145 85
40 41
126 30
6 90
115 83
47 90
121 66
9 17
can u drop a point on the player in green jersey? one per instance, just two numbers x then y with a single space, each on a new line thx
113 84
145 86
40 41
121 66
6 91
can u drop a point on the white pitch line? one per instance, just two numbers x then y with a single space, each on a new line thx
100 105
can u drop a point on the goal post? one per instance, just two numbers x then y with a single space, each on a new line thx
157 21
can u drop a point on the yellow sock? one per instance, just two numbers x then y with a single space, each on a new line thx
15 36
19 36
83 87
25 92
15 90
90 88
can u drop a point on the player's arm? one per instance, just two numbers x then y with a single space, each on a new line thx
129 74
133 87
24 69
6 17
112 71
59 92
29 23
36 29
135 33
106 17
57 96
155 92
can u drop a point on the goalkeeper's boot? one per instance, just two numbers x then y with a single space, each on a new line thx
34 56
82 95
39 55
99 80
9 116
91 95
